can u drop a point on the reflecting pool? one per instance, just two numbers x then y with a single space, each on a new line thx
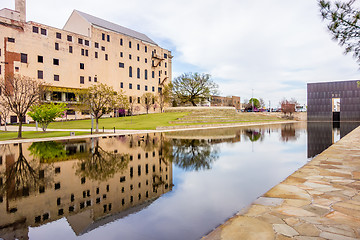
176 185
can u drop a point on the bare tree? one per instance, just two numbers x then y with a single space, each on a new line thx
100 99
165 95
148 100
18 94
4 113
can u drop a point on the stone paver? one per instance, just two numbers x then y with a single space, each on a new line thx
319 201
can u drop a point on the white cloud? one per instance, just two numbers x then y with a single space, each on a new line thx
274 47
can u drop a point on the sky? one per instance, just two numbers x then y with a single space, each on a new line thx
265 49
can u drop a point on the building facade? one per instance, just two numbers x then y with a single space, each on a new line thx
88 50
232 101
333 101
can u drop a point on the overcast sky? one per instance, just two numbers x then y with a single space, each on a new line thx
274 47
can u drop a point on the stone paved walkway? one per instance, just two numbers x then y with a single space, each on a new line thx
319 201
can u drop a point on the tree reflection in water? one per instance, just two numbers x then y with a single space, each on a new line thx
288 133
194 154
254 135
101 165
48 151
22 176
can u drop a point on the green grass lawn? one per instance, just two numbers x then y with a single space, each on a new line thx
151 121
146 121
33 134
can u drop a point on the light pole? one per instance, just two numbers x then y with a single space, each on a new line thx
252 100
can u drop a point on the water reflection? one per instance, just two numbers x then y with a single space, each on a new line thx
194 154
72 189
289 133
322 135
90 182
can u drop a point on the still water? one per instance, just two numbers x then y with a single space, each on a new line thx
177 185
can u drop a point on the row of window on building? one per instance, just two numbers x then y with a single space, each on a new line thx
104 37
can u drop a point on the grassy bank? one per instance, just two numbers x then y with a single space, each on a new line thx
146 121
171 118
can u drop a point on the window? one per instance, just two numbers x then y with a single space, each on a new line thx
146 74
102 48
82 80
103 36
80 41
138 46
165 55
40 59
129 44
82 66
23 58
56 77
69 38
138 58
138 72
96 55
86 52
95 79
159 73
165 72
108 38
129 56
96 45
153 89
138 99
130 72
121 54
146 88
40 74
121 41
82 52
43 31
145 48
138 87
58 35
145 60
11 40
106 57
121 65
121 85
35 29
70 49
87 42
130 100
56 46
130 87
89 79
153 74
165 64
57 186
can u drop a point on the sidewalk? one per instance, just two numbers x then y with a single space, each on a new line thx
319 201
110 132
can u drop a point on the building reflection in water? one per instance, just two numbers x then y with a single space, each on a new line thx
90 182
322 135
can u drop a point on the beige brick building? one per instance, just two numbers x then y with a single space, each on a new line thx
232 101
86 51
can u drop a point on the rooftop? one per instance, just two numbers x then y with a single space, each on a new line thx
114 27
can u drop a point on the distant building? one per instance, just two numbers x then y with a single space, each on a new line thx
232 101
333 101
88 50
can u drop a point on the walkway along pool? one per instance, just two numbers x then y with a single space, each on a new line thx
177 185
